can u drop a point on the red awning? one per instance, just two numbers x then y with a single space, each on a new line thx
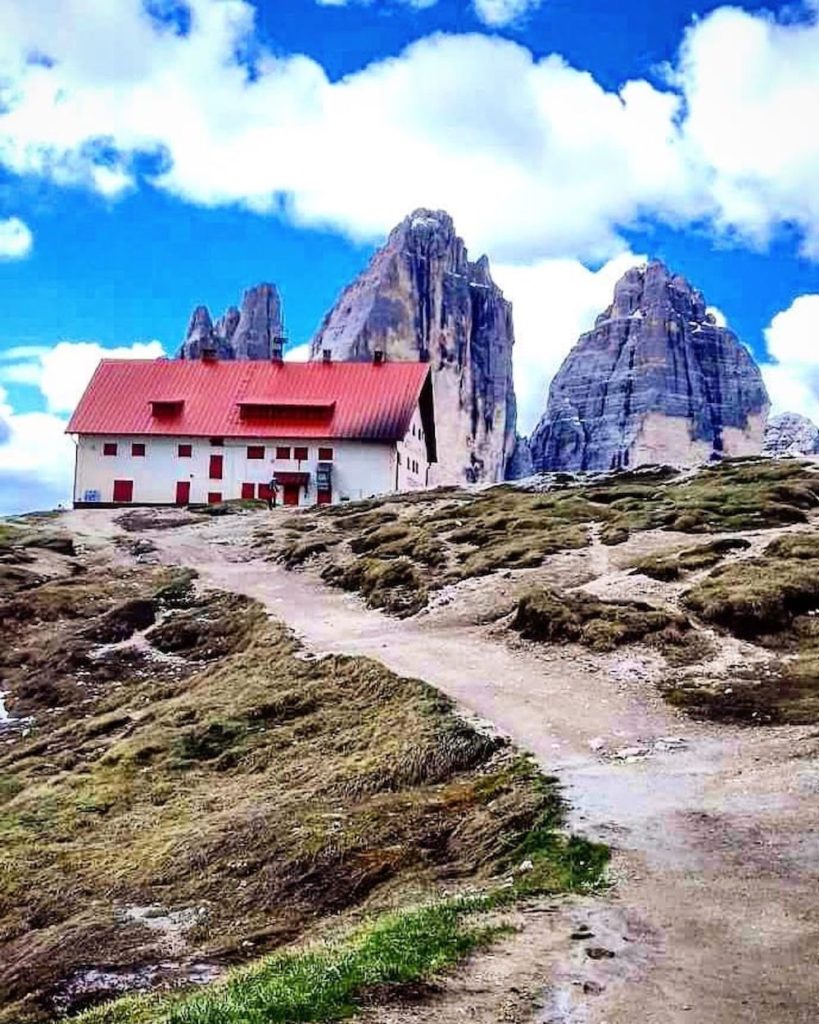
293 478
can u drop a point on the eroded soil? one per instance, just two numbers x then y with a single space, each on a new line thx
713 915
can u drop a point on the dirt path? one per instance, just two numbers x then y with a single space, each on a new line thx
714 917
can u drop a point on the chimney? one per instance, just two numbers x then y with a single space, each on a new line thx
209 355
378 357
327 355
277 350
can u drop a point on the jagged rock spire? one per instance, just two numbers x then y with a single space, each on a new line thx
656 380
244 333
421 298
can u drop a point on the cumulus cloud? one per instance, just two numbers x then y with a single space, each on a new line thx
750 82
36 460
36 457
792 374
554 301
16 239
536 159
498 13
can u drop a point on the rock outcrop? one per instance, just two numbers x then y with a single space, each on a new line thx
520 464
791 434
655 381
248 332
422 299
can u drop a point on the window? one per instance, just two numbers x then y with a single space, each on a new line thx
216 464
248 492
109 448
214 497
325 454
282 453
255 451
217 442
185 451
301 454
138 450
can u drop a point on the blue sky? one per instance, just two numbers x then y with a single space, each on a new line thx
155 154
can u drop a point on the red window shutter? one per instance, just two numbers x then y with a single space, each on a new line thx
124 490
248 492
301 454
138 450
255 451
325 454
215 472
183 492
185 451
282 453
214 497
109 448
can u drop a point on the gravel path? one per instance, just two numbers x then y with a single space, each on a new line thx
714 917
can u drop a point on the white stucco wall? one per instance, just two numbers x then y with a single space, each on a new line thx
413 452
360 469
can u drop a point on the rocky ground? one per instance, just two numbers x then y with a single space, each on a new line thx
710 812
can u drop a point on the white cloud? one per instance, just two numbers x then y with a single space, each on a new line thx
535 159
36 458
750 85
719 317
297 353
792 375
498 13
16 239
554 301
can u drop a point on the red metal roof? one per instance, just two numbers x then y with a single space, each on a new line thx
341 400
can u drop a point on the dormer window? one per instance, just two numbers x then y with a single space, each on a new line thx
167 408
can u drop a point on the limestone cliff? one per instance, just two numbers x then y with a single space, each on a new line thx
656 380
791 434
422 299
248 332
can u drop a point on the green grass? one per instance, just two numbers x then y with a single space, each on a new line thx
282 794
331 981
771 600
445 536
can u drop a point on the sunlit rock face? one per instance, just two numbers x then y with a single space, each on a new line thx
656 381
421 298
249 332
791 434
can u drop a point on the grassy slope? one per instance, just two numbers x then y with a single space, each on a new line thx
397 550
220 770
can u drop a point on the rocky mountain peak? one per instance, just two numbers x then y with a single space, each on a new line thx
421 298
791 434
656 380
247 332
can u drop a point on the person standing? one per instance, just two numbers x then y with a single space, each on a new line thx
273 493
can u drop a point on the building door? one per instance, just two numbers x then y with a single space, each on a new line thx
124 490
291 494
216 462
324 496
183 492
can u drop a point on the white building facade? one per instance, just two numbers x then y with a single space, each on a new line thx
299 453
